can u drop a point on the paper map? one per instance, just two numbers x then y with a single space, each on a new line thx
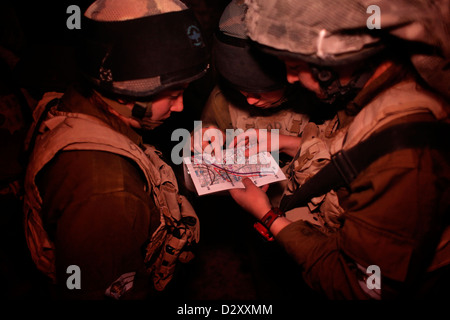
209 176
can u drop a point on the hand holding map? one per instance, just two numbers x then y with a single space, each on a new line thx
210 176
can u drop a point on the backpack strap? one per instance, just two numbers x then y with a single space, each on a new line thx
35 130
346 165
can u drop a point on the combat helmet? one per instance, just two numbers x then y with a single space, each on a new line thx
330 33
238 62
137 48
327 33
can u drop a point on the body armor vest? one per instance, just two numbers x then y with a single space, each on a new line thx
62 131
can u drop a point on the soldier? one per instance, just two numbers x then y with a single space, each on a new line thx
252 91
99 200
251 94
377 193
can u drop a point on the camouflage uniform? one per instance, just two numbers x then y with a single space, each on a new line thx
240 68
97 197
394 207
223 114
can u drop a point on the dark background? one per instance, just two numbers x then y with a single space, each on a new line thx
36 51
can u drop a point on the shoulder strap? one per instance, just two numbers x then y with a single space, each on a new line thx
35 129
345 165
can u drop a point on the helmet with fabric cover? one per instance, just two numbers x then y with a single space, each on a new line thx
322 32
238 62
334 32
137 48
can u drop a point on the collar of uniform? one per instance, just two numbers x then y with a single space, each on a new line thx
393 75
73 101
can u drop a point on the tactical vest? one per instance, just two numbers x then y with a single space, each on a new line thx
287 121
320 142
62 131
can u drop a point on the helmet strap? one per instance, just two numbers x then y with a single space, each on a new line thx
332 88
141 111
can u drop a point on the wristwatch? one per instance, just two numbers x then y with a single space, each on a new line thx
263 225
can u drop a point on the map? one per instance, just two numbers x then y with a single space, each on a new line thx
210 175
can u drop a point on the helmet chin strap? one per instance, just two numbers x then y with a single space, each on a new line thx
331 87
140 112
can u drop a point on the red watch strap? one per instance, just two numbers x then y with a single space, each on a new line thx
271 216
266 221
263 231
